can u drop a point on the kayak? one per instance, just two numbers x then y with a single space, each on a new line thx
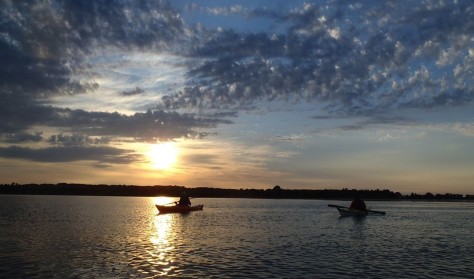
178 208
346 212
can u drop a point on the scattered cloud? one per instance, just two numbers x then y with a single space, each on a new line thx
64 154
78 78
355 57
136 91
21 137
465 128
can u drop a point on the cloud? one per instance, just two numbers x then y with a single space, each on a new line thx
66 154
207 160
136 91
21 137
466 129
43 49
354 57
148 126
44 45
229 10
77 140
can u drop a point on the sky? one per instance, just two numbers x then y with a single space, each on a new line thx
239 94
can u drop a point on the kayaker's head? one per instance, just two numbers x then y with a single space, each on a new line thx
184 194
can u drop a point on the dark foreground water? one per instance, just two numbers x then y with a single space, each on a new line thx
124 237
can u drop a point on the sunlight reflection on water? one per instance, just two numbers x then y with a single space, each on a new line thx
162 245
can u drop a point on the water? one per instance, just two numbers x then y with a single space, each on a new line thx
124 237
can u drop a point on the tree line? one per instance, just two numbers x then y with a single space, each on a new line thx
208 192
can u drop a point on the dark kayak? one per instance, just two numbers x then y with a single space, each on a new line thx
346 211
178 208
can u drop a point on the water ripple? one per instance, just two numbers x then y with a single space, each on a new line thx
112 237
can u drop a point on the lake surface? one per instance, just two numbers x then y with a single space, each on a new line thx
124 237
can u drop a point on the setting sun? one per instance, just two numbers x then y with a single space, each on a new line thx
163 155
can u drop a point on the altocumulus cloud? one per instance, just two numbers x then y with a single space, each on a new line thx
43 48
356 57
352 57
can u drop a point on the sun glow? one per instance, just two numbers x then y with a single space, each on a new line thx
163 155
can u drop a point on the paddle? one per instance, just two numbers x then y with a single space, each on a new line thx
175 202
368 210
170 203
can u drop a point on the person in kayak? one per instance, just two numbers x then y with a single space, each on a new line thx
358 204
184 200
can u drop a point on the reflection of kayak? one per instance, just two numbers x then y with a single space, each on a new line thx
346 211
178 208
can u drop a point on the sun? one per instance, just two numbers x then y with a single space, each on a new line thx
163 155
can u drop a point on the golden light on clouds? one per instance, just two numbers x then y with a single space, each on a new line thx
163 156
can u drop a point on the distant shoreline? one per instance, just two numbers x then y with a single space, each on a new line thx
207 192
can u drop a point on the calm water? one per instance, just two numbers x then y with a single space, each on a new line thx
124 237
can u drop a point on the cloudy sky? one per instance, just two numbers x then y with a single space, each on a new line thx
239 94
